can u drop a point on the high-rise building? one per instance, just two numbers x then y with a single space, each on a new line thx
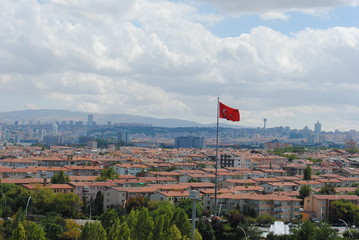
90 120
264 123
317 128
189 142
54 129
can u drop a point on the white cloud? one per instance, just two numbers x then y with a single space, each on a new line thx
156 58
268 6
274 15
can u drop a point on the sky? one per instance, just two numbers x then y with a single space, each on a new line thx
293 62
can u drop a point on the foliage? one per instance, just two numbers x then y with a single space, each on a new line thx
46 201
98 203
60 178
344 210
304 191
18 233
327 189
315 160
265 219
15 198
94 231
108 218
325 232
107 173
206 230
352 150
34 231
309 231
306 231
72 230
186 205
135 203
307 173
249 211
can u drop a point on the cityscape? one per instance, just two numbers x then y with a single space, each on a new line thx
277 176
179 120
89 133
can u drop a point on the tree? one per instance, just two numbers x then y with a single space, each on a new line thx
174 233
143 230
46 201
307 173
304 192
108 173
109 218
60 178
72 230
186 204
180 219
18 233
206 230
327 189
342 209
135 203
34 231
235 218
307 231
265 219
98 203
119 231
325 232
94 231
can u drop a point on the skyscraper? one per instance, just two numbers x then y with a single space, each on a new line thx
317 128
90 120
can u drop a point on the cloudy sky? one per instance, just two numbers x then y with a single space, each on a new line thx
293 62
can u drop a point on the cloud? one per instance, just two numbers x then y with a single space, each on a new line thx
270 6
157 58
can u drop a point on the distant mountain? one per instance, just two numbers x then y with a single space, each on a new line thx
46 115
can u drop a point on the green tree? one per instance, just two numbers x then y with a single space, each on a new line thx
94 231
327 189
98 203
206 230
344 210
15 197
109 218
60 178
180 219
132 220
34 231
174 233
325 232
119 231
236 217
307 231
186 204
307 173
159 233
265 219
304 191
143 230
108 173
45 201
18 233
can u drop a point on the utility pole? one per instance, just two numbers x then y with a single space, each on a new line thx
194 195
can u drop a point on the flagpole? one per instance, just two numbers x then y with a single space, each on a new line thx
216 165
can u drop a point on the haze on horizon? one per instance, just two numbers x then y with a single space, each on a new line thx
292 62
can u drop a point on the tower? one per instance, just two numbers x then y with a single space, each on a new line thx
90 120
264 123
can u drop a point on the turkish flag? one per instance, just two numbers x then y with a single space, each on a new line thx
228 113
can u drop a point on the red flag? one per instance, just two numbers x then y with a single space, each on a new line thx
228 113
